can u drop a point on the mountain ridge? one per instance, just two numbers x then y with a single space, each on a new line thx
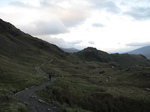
143 50
70 50
125 60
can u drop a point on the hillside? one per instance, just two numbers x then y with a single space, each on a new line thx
18 49
124 60
143 50
89 84
86 81
19 54
15 41
92 54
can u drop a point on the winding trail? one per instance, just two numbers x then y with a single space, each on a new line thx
36 103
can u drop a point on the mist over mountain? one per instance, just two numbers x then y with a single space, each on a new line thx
143 50
70 50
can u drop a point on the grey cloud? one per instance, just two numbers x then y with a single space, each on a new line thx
139 44
109 6
57 41
97 25
70 17
53 26
139 13
45 3
76 42
91 42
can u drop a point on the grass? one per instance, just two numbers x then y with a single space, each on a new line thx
16 75
8 103
19 54
80 85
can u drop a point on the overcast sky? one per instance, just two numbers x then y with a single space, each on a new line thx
108 25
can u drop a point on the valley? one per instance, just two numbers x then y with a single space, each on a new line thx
86 81
85 86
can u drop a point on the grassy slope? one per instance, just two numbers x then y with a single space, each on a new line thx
80 82
81 87
19 54
119 60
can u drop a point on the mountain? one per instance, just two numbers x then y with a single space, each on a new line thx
124 60
80 75
12 40
70 50
143 50
19 54
92 54
127 60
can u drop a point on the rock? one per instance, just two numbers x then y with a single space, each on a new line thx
148 89
41 101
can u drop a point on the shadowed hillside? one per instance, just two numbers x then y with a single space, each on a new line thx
87 81
124 60
12 40
19 54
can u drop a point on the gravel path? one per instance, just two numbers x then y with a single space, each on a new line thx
36 103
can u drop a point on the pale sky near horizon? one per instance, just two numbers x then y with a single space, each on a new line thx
108 25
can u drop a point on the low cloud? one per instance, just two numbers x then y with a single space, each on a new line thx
136 44
62 43
76 42
57 41
97 25
91 42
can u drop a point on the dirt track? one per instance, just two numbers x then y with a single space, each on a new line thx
36 103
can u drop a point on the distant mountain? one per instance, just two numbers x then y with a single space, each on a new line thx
70 50
124 60
143 50
92 54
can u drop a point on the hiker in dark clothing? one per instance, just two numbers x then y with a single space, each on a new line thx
49 77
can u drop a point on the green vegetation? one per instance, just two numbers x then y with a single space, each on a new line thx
97 87
87 81
19 54
8 103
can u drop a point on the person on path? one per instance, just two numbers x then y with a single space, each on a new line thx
49 77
